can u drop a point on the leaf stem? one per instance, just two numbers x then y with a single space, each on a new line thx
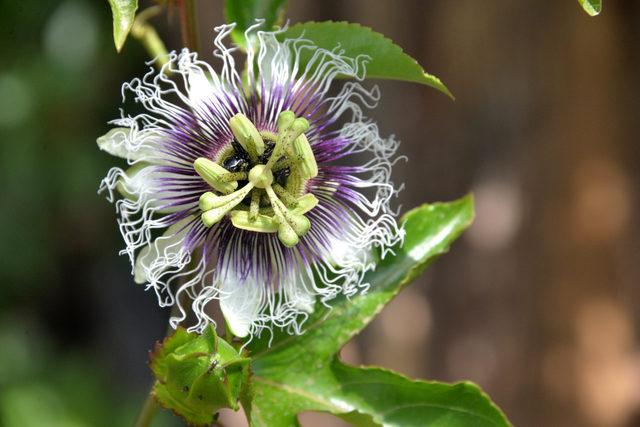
188 24
148 37
148 411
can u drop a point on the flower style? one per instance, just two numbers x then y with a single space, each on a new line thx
243 187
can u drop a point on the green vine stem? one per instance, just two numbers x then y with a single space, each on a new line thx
148 36
148 411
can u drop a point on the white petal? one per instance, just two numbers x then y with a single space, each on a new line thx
241 304
141 183
343 253
133 146
113 142
201 89
130 185
162 253
299 291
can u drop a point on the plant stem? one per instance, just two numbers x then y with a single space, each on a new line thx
147 35
148 411
188 24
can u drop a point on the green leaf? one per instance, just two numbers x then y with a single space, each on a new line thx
302 372
245 12
592 7
387 60
124 12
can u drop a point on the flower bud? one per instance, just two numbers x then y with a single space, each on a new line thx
197 375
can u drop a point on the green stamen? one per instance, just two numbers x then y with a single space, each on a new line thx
287 197
283 163
247 135
254 208
269 136
261 223
216 207
212 173
305 203
234 176
304 154
289 221
285 119
287 136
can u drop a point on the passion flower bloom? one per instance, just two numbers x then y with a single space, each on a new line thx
262 189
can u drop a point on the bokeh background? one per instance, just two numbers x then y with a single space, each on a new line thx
537 303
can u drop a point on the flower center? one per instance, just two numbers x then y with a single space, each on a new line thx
261 176
272 168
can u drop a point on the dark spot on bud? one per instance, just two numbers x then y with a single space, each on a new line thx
200 397
185 389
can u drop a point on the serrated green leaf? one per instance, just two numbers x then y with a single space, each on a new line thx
370 397
430 230
592 7
124 13
302 373
387 60
245 12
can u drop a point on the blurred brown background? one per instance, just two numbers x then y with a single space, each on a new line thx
538 301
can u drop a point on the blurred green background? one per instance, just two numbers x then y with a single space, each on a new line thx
537 303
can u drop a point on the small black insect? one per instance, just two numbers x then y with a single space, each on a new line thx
236 163
239 149
281 176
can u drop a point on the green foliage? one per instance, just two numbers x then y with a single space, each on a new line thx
386 59
124 13
198 374
245 12
303 373
592 7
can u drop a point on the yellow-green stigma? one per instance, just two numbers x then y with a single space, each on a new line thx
271 170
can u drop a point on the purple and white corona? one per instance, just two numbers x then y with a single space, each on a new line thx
266 189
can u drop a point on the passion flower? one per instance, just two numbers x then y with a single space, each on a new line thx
263 189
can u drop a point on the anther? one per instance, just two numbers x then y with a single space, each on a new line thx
254 207
234 176
292 225
289 131
247 135
304 155
261 223
286 197
212 173
216 207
